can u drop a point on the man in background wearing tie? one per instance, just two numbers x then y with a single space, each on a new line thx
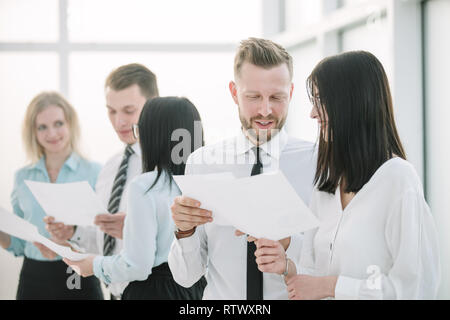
262 91
127 88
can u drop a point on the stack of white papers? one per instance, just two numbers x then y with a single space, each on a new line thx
18 227
263 206
72 203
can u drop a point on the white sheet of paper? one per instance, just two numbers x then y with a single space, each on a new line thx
63 251
20 228
264 206
73 203
17 227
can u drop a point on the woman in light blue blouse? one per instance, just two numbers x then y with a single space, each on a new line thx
149 229
50 135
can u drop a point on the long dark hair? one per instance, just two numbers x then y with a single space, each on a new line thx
352 90
159 119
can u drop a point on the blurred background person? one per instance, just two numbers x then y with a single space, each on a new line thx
50 135
126 90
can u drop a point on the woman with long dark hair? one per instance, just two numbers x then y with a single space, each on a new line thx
149 229
377 238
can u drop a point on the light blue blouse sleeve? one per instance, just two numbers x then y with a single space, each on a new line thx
17 246
135 261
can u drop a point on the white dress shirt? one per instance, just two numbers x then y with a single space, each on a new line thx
90 239
383 245
214 250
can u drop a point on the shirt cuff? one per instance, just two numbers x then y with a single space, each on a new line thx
16 246
347 288
77 235
294 249
188 244
98 269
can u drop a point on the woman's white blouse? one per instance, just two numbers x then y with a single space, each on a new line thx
383 245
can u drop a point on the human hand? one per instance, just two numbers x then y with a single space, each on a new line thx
46 252
111 224
84 268
284 242
270 256
304 287
5 240
187 214
249 238
59 232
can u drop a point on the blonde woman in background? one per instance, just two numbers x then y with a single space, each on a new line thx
50 135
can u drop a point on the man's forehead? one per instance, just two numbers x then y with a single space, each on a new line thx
125 98
248 67
119 106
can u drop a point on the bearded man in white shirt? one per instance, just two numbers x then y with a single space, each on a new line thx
127 88
262 90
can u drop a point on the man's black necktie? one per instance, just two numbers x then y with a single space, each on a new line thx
116 195
254 276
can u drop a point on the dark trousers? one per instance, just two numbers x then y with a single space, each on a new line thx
160 285
54 280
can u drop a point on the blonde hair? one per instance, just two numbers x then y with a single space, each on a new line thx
263 53
40 102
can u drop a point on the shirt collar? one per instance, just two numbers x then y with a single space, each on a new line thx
273 147
72 163
137 149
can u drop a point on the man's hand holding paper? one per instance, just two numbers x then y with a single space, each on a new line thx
263 206
187 214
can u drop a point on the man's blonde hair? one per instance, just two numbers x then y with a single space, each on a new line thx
39 103
263 53
127 75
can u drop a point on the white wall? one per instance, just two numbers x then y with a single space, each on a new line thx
298 123
437 79
22 75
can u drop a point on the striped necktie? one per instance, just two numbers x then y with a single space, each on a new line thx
254 276
116 195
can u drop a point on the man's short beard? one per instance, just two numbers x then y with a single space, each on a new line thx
261 135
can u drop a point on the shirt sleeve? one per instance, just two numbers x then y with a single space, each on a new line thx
135 261
411 237
85 239
17 246
294 249
307 260
188 258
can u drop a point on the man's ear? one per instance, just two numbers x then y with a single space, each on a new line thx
233 91
290 92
